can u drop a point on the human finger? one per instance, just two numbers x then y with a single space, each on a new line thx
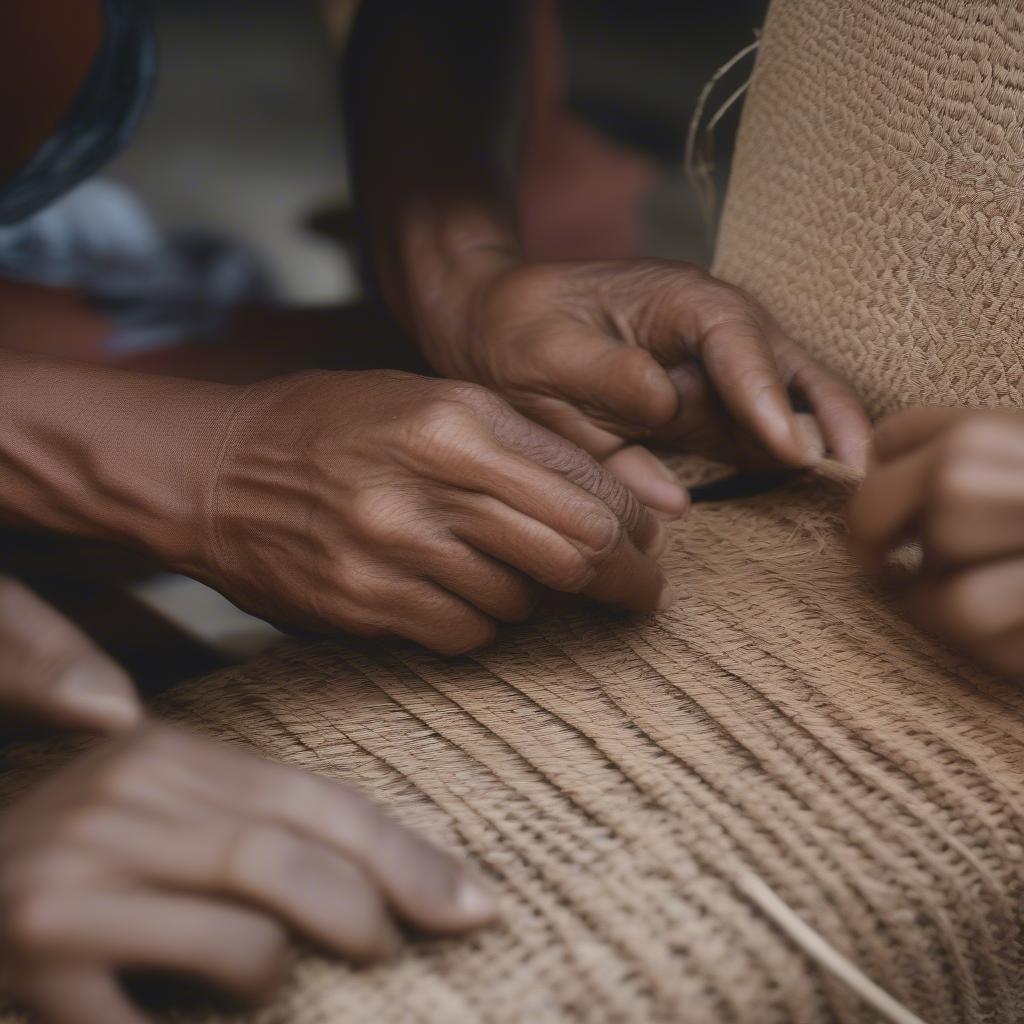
436 618
645 477
840 414
78 994
729 333
265 818
564 487
888 504
533 470
51 672
978 609
902 431
621 385
234 948
653 483
492 587
974 512
608 568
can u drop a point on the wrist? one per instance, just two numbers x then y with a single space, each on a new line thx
441 263
111 455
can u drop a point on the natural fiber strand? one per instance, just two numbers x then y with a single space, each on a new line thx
824 954
700 171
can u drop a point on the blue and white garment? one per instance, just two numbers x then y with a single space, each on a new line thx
61 227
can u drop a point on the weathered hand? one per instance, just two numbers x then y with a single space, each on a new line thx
165 852
384 503
605 352
51 674
953 480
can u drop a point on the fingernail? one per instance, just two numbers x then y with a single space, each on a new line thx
474 901
667 597
85 689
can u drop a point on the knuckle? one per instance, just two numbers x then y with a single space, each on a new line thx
601 531
365 590
383 515
571 571
972 438
474 397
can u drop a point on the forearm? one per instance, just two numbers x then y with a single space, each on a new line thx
106 454
434 98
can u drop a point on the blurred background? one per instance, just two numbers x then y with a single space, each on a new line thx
243 135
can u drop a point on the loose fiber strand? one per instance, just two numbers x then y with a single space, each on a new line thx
698 173
823 953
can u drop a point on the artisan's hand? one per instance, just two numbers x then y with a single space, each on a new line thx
384 503
603 352
166 852
51 674
953 480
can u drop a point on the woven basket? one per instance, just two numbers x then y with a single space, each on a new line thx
621 781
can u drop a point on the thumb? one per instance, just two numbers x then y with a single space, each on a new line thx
51 673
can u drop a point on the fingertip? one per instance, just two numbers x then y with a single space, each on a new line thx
475 903
651 481
99 695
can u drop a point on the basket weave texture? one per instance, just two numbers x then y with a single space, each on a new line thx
615 778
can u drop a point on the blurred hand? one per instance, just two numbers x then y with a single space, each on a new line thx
51 674
604 352
165 852
383 503
953 480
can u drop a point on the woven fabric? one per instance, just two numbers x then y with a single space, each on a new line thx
617 779
875 197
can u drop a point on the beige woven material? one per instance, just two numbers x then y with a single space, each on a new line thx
616 778
875 199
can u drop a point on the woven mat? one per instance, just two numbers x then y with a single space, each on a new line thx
875 195
615 777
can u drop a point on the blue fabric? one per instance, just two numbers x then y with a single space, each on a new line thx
60 226
102 118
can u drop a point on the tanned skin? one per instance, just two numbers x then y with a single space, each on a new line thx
230 853
603 352
952 481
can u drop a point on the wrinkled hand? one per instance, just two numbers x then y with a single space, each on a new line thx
953 480
604 352
383 503
165 852
51 674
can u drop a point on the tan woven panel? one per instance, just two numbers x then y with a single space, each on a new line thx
618 779
614 778
876 194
